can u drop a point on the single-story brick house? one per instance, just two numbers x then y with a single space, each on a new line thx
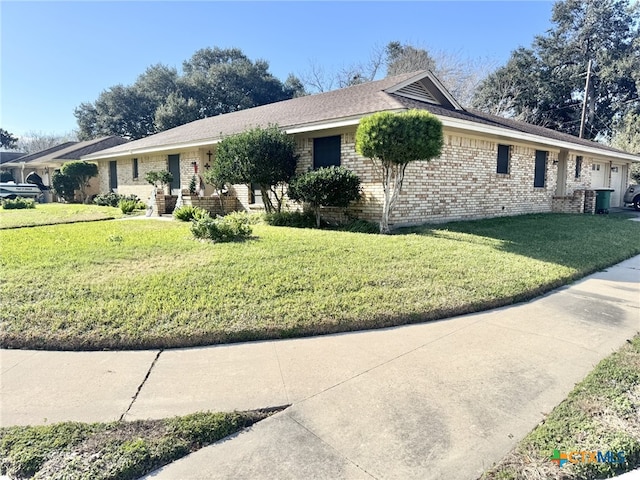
489 166
45 162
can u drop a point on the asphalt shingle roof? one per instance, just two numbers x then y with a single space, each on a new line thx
346 103
70 150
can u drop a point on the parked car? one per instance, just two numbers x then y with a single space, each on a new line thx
632 196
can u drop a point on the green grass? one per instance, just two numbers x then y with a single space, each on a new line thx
148 284
55 213
118 450
602 413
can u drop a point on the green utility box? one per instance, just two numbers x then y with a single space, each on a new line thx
603 199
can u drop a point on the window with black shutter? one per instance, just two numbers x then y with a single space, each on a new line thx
504 155
326 152
134 165
578 166
540 168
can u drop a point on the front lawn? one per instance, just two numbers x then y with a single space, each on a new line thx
54 213
118 450
601 414
148 284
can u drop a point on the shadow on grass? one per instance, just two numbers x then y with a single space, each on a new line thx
586 243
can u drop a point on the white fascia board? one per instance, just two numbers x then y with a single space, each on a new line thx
528 137
151 149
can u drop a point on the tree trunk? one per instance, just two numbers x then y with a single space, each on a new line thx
392 178
266 199
317 210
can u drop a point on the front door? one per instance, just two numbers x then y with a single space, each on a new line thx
174 169
113 176
616 184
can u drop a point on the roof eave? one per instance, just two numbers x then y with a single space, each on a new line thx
302 128
528 137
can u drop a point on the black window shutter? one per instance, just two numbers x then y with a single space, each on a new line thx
503 159
540 168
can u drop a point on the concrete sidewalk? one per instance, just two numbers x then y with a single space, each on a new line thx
438 400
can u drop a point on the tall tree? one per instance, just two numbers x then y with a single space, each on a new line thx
545 84
392 141
214 81
7 140
407 58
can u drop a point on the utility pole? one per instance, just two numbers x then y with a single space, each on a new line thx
583 118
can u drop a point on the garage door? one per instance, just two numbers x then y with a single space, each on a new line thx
597 175
616 184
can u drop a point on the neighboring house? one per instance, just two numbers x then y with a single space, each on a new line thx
45 162
8 157
489 166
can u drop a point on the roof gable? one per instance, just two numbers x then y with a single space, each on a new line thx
425 87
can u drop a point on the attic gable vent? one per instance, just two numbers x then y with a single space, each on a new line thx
417 91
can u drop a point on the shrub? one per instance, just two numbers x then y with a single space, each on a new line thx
112 199
163 177
128 206
64 186
222 229
18 203
186 213
80 173
325 187
360 226
291 219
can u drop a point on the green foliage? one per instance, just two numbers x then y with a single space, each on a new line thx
80 173
392 140
214 81
7 140
192 185
291 219
23 450
118 450
112 199
359 226
545 84
265 156
400 138
325 187
6 176
64 186
18 203
163 177
230 228
127 206
186 213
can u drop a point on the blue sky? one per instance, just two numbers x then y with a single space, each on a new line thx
56 55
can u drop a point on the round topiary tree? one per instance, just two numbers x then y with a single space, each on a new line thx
80 173
392 141
325 187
